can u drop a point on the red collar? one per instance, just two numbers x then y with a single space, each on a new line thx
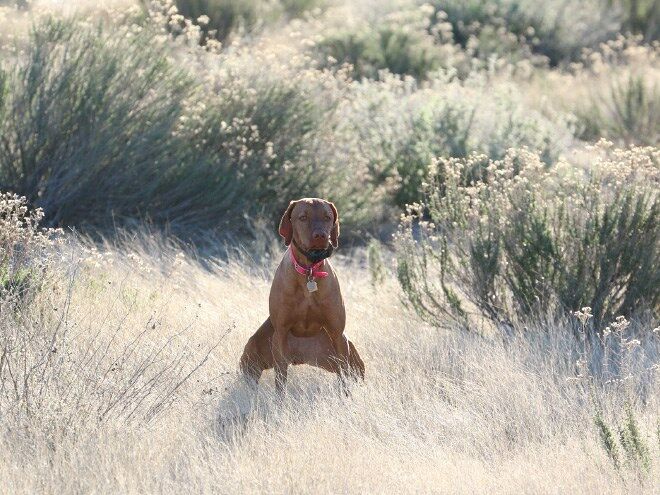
310 271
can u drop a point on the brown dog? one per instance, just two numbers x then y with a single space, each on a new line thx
307 316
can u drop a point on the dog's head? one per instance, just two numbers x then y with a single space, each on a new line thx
312 224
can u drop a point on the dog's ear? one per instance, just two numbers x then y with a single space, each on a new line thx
286 227
334 233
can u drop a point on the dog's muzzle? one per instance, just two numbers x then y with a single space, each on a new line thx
315 255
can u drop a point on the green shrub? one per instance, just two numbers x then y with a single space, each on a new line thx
634 445
468 34
368 127
297 8
608 439
408 126
88 129
628 110
458 119
377 271
370 52
510 239
102 129
21 4
639 16
224 16
254 151
3 89
400 44
558 30
224 19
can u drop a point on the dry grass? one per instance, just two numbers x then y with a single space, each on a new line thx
438 412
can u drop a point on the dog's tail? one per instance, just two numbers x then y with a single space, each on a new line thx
250 368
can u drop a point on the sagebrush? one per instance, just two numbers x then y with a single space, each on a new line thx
511 239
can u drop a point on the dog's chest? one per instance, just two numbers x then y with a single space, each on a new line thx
308 317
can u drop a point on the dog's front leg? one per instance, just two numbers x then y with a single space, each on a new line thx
280 359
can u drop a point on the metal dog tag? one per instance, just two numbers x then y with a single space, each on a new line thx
311 285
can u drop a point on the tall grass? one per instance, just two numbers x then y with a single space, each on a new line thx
94 383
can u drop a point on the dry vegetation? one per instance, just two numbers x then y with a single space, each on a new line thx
92 404
509 328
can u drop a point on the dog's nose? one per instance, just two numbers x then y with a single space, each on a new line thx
320 236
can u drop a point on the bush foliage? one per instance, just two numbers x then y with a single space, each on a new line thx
224 20
24 248
100 128
509 239
148 118
87 124
557 30
463 34
401 44
461 120
628 110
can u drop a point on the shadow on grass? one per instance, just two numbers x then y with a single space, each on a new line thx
241 407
